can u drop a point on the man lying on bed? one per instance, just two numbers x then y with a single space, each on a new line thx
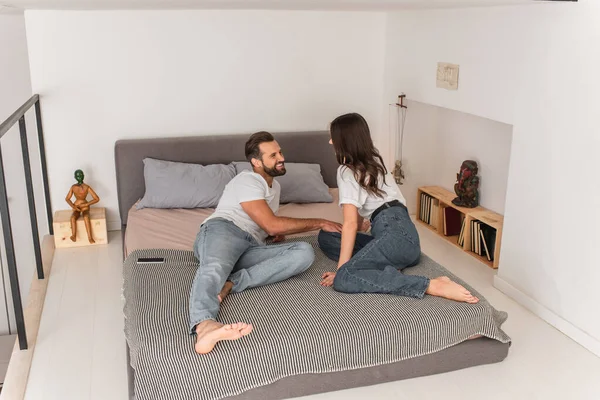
230 246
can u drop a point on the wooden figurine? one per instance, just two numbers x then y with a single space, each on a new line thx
81 205
467 185
398 173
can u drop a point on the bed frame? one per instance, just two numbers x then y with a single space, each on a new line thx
308 147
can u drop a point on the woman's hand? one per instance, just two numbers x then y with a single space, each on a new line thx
327 279
278 238
366 225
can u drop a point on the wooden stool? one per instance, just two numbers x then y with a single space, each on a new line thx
62 228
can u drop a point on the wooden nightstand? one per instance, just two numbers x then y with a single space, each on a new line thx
62 228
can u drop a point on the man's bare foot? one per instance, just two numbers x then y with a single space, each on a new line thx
444 287
73 238
92 241
211 332
225 291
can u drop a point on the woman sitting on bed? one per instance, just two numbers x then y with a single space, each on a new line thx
374 263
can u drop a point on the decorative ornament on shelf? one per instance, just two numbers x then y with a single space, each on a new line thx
398 172
467 185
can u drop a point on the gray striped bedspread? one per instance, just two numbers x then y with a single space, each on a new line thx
299 327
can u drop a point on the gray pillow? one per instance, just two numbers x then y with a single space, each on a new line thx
180 185
302 183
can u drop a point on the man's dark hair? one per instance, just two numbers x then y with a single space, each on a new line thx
252 145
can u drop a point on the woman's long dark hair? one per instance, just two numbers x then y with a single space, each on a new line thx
354 149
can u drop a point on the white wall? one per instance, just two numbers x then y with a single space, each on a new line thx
489 61
536 68
109 75
437 140
15 89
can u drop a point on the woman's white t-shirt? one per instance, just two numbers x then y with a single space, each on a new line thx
351 192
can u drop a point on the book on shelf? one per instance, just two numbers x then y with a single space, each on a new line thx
423 206
480 247
434 213
475 236
478 239
472 238
485 247
461 235
483 239
489 236
429 209
452 221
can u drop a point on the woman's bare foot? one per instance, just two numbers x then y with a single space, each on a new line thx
225 291
444 287
210 332
72 238
92 241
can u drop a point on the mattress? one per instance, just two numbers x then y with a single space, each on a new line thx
316 339
151 228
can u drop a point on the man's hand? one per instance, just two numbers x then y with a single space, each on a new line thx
278 238
330 226
260 212
327 279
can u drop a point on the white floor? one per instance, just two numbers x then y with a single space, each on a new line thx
80 352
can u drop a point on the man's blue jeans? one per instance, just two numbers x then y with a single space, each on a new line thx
377 260
224 252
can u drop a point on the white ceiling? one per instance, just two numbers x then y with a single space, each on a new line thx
374 5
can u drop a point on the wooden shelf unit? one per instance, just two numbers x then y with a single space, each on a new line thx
484 215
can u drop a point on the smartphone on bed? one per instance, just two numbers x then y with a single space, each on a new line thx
150 260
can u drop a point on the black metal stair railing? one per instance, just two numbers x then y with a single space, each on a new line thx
19 116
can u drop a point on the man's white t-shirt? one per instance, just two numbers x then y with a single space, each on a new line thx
352 193
247 186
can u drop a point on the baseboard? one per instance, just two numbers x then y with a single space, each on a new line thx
581 337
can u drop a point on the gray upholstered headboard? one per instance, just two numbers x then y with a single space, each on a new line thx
307 147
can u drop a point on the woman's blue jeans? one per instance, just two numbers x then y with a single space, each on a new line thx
378 259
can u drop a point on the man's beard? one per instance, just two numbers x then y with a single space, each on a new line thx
274 171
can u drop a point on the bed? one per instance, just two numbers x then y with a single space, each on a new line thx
293 366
